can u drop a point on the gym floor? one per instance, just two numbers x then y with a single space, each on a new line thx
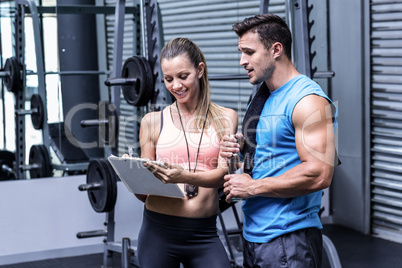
354 249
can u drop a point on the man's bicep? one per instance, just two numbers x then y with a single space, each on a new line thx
315 138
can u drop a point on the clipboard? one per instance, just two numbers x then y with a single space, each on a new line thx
139 180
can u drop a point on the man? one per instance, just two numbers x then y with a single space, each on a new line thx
288 151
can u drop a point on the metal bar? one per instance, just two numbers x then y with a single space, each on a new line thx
88 187
225 234
118 50
84 9
19 38
110 225
301 36
318 74
143 37
72 166
125 252
121 81
324 74
86 72
30 167
26 112
227 77
264 4
155 41
91 234
40 65
117 62
236 215
4 74
3 102
7 169
93 122
331 252
114 246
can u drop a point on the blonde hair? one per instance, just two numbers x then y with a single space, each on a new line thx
183 46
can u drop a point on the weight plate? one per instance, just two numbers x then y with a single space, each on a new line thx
40 160
96 173
112 191
7 160
150 79
37 117
13 81
140 93
46 162
102 199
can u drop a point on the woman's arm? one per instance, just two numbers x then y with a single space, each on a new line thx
148 136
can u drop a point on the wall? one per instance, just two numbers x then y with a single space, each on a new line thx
40 219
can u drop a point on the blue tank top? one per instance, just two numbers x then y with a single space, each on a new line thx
266 218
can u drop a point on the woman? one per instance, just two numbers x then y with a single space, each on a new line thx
185 135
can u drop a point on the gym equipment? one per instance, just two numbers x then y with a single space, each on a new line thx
21 7
300 12
137 82
67 153
15 70
78 51
107 123
7 162
39 162
155 42
37 111
12 75
223 205
101 185
102 192
131 72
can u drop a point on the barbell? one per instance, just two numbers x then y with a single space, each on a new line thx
107 122
7 162
101 185
136 81
37 111
11 75
40 165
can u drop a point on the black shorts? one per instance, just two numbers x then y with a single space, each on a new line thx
167 241
302 248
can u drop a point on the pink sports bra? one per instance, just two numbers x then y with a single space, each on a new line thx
171 146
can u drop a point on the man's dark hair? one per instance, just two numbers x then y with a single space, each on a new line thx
270 28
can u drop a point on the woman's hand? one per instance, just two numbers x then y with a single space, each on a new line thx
171 174
230 145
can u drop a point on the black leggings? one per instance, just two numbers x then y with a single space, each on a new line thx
166 241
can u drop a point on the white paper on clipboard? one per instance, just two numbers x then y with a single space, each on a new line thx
139 180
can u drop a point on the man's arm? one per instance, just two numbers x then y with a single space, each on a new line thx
314 136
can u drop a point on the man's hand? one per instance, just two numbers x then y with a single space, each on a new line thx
238 186
171 174
230 145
